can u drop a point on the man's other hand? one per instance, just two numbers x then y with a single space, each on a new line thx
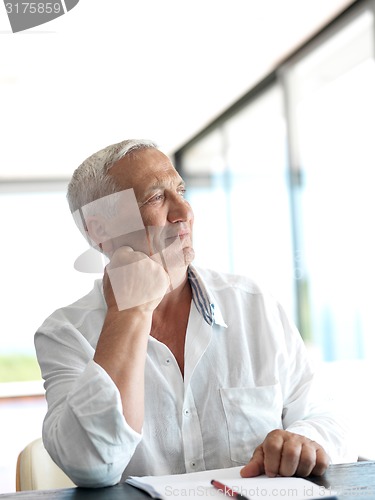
284 453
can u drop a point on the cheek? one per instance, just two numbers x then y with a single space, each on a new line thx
136 240
154 218
156 238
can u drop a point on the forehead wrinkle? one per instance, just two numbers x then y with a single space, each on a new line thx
163 181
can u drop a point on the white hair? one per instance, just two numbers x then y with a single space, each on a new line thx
90 181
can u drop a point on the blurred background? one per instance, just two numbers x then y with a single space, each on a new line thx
267 108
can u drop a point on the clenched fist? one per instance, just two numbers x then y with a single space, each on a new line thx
287 454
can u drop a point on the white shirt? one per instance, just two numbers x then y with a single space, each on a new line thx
246 373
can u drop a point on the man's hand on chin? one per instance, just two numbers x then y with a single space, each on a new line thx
284 453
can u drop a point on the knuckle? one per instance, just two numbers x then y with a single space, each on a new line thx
290 453
273 433
273 437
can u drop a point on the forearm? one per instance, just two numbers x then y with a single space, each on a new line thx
121 352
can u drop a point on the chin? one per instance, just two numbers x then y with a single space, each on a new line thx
189 255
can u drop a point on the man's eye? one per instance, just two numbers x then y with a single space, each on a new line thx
157 197
182 191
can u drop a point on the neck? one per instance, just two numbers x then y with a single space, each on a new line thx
178 295
170 320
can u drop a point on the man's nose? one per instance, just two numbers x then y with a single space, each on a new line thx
179 210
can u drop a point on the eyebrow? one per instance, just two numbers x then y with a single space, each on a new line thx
159 185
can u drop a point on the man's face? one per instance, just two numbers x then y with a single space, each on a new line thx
159 193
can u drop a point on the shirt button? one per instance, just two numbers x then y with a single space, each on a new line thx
168 361
186 412
193 464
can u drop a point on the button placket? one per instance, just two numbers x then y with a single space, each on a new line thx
191 434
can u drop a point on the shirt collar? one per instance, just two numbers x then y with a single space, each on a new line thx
203 300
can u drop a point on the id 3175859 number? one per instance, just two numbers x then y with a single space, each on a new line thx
33 8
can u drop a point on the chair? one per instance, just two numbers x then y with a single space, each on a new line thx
37 471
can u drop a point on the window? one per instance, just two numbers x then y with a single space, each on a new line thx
238 187
39 246
284 192
282 189
332 111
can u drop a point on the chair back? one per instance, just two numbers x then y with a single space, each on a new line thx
37 471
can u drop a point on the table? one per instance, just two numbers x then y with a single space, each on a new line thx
354 481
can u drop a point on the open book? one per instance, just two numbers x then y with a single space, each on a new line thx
198 485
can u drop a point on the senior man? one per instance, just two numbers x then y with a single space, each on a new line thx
165 368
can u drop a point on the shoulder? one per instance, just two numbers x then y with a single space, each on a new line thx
217 281
79 311
234 292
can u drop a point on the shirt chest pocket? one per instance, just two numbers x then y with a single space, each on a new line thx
250 413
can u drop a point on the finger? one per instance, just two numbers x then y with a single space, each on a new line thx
290 457
272 448
138 281
307 459
119 257
322 462
125 255
255 467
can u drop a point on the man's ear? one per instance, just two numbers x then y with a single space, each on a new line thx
96 227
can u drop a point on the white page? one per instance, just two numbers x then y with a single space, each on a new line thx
198 485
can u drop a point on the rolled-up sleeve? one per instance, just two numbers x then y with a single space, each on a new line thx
84 431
